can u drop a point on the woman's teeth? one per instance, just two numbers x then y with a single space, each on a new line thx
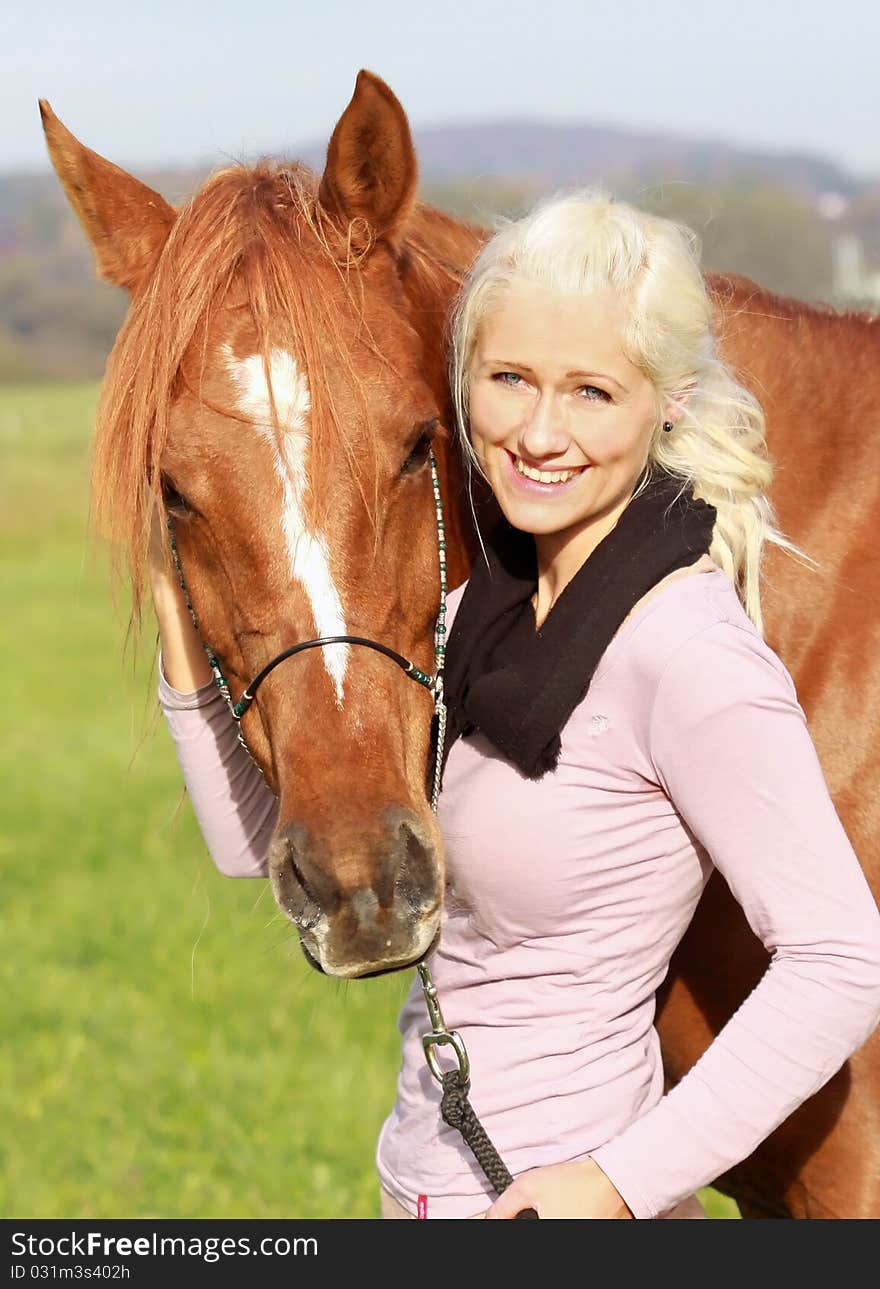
546 476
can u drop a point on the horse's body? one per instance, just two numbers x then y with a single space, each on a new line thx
817 374
356 853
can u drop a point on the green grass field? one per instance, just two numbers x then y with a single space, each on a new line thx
167 1053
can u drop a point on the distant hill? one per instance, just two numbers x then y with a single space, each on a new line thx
544 155
758 213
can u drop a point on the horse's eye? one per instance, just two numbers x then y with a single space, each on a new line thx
175 502
422 446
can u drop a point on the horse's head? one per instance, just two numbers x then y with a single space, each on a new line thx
268 390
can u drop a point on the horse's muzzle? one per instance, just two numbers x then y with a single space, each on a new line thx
387 920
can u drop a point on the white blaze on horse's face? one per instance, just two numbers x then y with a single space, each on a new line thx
307 553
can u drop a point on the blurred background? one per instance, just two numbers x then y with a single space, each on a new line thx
166 1052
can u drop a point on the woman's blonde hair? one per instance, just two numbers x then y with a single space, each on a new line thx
585 241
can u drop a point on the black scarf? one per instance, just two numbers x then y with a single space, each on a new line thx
519 685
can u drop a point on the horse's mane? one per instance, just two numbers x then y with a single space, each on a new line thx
739 297
263 228
439 248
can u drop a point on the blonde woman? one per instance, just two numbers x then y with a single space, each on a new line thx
618 728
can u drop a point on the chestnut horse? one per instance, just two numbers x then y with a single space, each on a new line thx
276 385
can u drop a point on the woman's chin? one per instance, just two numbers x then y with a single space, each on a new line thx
537 517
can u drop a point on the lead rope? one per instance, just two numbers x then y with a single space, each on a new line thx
455 1108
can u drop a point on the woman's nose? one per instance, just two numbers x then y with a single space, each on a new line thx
544 432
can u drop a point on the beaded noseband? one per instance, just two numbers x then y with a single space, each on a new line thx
455 1107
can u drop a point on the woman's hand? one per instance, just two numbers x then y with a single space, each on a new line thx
161 570
578 1189
184 660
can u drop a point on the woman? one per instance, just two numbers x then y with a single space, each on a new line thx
617 728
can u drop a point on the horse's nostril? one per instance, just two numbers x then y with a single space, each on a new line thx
417 878
300 877
302 889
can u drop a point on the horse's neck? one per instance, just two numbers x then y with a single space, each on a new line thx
815 372
438 254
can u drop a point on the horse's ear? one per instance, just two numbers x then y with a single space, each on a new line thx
126 222
371 171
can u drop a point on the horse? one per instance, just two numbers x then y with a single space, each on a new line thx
248 395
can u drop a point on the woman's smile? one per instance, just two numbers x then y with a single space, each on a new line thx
541 482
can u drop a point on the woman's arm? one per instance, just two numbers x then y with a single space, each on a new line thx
731 749
234 806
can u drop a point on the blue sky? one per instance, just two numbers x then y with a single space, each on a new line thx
195 82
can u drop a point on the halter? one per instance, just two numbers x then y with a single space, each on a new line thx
455 1107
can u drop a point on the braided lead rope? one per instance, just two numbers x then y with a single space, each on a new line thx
458 1112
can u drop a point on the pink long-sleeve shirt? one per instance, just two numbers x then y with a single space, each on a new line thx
566 897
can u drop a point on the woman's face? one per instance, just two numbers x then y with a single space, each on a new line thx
560 419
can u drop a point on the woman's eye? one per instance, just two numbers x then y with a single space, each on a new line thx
512 379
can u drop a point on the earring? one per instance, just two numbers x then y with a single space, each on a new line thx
667 425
